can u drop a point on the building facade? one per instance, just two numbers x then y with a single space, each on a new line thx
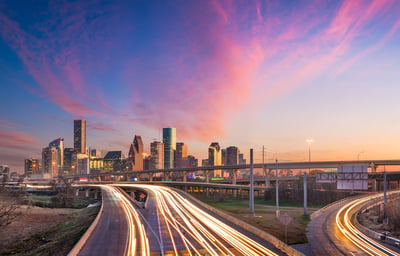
82 166
80 136
49 162
181 155
135 155
157 155
31 167
114 162
169 140
214 157
232 155
192 161
59 145
70 161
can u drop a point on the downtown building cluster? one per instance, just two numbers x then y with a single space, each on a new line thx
58 160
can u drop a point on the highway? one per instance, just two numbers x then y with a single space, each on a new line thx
332 232
119 230
176 226
362 241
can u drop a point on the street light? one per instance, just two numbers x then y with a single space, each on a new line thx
309 141
358 155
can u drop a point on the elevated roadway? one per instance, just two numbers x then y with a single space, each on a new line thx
373 164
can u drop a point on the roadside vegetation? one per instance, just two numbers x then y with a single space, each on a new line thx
56 239
383 219
42 224
265 216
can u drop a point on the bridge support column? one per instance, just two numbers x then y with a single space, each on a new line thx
373 185
234 180
87 192
77 192
185 176
208 174
151 177
267 181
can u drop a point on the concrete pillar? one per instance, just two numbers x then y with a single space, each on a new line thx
95 194
373 167
373 185
76 192
208 174
267 181
185 176
151 176
87 192
166 176
234 180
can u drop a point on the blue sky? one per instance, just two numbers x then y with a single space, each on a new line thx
244 73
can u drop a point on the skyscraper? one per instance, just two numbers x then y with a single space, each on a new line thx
157 155
181 154
214 157
169 140
59 145
232 155
135 155
192 161
70 161
31 167
49 162
80 136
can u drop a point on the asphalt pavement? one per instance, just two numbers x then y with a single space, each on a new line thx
111 233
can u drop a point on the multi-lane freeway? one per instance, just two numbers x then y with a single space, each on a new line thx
170 225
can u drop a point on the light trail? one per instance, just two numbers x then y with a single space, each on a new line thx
192 231
362 241
137 237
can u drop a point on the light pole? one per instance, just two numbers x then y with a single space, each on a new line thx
309 141
358 155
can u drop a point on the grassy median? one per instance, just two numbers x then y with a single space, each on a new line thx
265 216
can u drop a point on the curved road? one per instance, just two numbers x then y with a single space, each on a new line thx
332 232
119 230
170 225
325 237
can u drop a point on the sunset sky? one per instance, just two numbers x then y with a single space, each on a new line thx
244 73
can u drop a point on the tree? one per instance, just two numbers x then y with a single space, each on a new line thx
8 213
8 207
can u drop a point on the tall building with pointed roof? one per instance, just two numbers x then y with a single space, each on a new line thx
135 155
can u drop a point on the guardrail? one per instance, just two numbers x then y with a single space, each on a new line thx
371 233
78 246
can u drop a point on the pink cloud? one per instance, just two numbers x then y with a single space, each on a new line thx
17 140
93 125
230 55
61 56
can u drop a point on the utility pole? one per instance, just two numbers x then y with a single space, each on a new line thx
277 189
264 169
384 187
251 194
305 193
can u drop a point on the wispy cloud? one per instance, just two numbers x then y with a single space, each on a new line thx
223 56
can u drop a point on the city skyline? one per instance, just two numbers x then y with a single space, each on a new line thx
242 74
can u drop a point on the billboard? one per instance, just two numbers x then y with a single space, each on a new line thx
326 177
354 177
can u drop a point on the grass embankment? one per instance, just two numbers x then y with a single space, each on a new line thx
55 239
265 216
